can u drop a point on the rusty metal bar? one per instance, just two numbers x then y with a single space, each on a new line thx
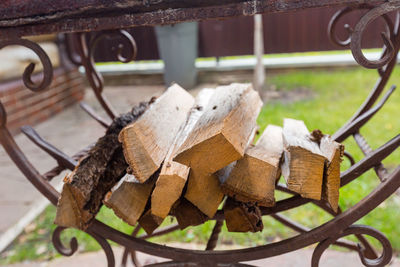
55 153
89 110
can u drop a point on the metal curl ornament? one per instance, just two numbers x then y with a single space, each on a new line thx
28 72
349 157
86 52
356 36
382 260
59 246
123 34
334 22
73 245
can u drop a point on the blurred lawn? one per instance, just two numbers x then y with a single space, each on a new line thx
336 96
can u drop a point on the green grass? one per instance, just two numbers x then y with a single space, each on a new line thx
336 96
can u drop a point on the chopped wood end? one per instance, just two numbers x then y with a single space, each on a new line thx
210 155
242 217
146 142
142 166
168 189
188 214
129 198
204 191
306 172
251 180
150 222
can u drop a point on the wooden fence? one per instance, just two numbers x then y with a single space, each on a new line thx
283 33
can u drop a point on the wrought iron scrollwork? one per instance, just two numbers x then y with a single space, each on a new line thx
355 35
73 245
86 48
382 260
59 246
122 34
44 59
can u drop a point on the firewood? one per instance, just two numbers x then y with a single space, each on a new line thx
242 217
94 176
173 175
204 191
149 222
129 197
147 141
219 137
187 214
303 165
221 134
333 151
253 177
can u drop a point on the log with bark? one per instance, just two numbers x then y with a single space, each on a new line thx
303 166
95 175
146 141
253 177
187 214
242 217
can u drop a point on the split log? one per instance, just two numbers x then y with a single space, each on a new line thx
242 217
221 134
128 198
173 175
253 177
219 138
147 141
204 191
333 151
303 166
94 176
149 222
187 214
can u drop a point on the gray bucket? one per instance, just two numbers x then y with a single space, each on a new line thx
178 45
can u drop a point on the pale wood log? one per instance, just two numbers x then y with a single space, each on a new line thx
221 134
128 199
303 165
95 174
173 175
146 142
242 217
204 191
333 151
187 214
253 177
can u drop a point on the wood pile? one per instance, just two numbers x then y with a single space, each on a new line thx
187 157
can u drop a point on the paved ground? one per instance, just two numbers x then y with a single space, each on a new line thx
301 258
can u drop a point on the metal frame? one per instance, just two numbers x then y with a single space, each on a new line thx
325 235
